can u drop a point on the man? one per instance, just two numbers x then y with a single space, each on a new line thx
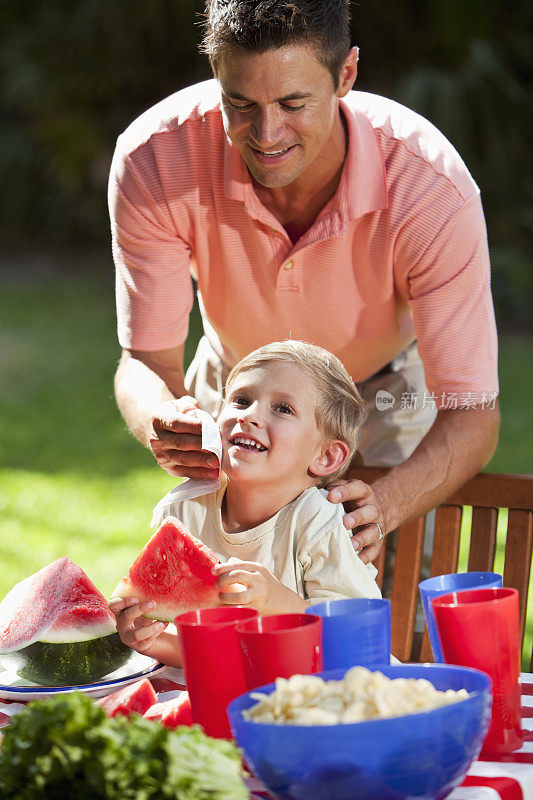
305 210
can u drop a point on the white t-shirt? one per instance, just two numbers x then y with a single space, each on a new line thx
305 545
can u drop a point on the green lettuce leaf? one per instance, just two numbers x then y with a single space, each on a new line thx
67 747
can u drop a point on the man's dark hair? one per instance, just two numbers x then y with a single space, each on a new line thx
261 25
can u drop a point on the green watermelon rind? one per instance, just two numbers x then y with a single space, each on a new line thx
90 617
68 663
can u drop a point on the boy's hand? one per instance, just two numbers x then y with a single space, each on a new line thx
136 631
263 591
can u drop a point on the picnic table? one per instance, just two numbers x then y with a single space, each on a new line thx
508 777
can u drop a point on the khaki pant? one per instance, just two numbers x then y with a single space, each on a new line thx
392 430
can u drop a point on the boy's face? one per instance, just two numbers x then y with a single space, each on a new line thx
268 427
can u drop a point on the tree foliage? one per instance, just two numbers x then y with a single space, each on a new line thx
74 73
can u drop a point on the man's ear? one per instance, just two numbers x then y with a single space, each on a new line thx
330 458
348 73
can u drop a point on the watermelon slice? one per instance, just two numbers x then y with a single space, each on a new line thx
172 713
56 628
174 570
138 696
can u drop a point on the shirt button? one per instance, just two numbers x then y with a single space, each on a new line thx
288 265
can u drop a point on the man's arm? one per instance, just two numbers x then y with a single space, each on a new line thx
145 380
151 396
459 444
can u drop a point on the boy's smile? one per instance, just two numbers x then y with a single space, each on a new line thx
248 443
268 427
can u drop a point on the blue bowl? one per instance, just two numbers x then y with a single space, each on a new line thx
418 756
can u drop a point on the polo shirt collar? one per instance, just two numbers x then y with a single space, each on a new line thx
363 184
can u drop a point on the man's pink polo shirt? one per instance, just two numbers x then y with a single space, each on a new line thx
400 252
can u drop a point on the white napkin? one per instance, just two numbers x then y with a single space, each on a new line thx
189 487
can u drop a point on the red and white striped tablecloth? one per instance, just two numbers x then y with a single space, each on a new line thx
508 778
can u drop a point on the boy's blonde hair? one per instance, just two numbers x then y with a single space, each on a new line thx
340 410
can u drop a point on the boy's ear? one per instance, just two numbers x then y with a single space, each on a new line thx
330 459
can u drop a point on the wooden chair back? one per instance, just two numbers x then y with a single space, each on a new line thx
486 493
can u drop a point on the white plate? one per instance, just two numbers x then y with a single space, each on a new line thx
137 666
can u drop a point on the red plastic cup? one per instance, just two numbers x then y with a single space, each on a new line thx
480 628
279 646
212 663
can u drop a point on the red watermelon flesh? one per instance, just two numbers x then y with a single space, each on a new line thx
59 603
138 696
174 570
172 712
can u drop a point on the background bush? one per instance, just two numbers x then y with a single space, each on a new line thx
74 73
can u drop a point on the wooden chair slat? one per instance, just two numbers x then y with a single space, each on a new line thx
491 490
410 541
426 653
446 540
445 556
518 548
482 540
486 489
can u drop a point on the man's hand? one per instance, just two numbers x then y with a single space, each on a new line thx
150 392
135 630
459 443
263 591
365 508
176 441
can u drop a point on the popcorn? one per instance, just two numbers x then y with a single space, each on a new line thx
361 695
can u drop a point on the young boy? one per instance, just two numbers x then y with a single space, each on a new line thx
289 425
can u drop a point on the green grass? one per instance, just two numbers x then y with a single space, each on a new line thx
72 479
515 449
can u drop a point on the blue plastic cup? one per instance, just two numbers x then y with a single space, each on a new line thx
444 584
354 632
